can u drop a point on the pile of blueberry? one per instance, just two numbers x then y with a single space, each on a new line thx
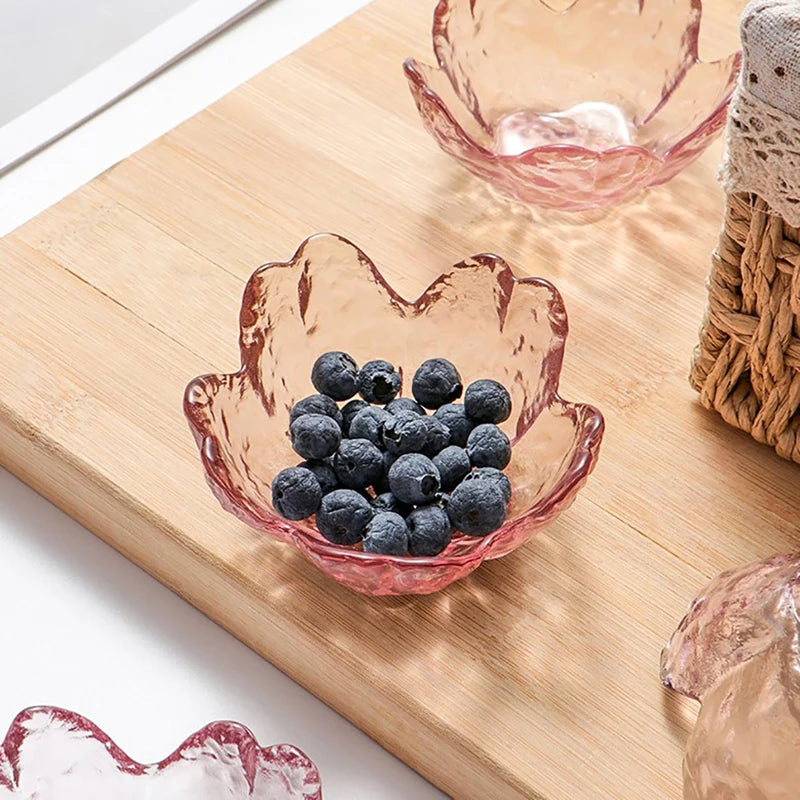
383 472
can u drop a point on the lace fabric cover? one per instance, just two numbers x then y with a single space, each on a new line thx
763 153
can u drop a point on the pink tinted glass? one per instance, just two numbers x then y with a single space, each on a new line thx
331 297
737 652
575 107
53 754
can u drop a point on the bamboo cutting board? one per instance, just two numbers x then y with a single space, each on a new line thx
535 677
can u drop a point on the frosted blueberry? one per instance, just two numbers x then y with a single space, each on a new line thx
296 493
358 463
324 473
368 424
386 501
378 382
492 475
349 411
315 436
414 479
335 374
316 404
488 446
436 382
429 530
387 534
343 516
438 437
404 432
453 464
454 416
477 508
405 404
487 401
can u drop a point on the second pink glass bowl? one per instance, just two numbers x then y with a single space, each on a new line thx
330 296
576 108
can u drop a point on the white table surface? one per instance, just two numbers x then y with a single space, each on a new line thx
85 629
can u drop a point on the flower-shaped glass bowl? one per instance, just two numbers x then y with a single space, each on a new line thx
53 754
331 297
572 108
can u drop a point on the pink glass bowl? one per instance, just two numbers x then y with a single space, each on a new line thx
52 754
573 108
737 651
330 296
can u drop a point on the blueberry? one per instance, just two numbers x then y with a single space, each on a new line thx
315 436
488 446
405 404
368 424
477 508
438 437
487 401
436 382
358 463
316 404
387 534
405 432
386 501
453 464
324 473
343 516
429 530
349 411
296 493
454 416
414 479
492 475
388 460
378 382
335 374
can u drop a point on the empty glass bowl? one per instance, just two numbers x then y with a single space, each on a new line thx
330 296
572 108
53 754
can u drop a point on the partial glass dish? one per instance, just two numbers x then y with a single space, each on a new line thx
737 651
571 108
53 754
330 296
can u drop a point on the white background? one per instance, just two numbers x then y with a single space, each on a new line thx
47 44
82 627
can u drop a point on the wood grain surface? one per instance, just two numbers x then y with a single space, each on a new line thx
537 676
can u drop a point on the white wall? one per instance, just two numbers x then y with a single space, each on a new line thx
47 44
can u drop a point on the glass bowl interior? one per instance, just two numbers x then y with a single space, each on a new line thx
331 297
596 73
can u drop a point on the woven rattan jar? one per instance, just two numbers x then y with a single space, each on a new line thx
747 364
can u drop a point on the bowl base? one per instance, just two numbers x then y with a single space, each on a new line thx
594 125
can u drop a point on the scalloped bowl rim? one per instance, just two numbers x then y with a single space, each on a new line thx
716 117
585 452
242 733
